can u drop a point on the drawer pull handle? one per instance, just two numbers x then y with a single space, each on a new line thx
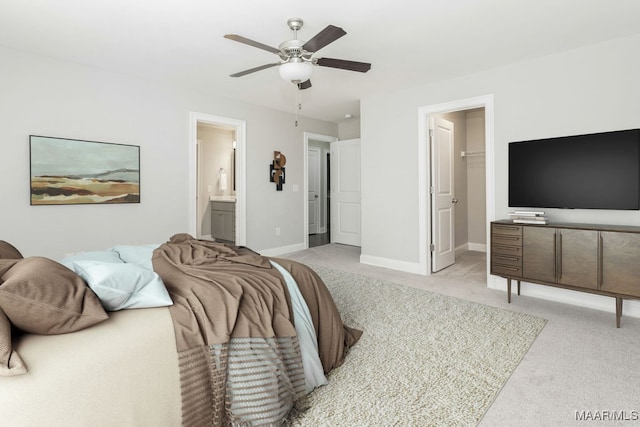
508 237
511 258
510 268
508 227
508 248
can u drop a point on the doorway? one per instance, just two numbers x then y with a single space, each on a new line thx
477 193
319 192
318 195
216 182
316 183
457 177
219 187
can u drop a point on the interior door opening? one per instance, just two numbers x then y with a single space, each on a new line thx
217 193
458 213
318 197
216 182
486 191
317 210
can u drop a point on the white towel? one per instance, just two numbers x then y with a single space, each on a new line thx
223 179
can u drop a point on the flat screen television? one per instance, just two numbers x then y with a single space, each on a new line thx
595 171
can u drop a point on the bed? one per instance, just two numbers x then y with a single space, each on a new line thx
189 332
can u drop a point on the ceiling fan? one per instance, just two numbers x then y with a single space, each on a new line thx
296 56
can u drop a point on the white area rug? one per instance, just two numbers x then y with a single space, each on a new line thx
424 359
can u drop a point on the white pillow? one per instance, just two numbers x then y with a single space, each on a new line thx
140 255
122 286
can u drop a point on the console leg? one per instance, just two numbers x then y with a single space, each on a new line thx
518 287
618 311
509 291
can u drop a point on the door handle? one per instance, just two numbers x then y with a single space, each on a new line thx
454 200
316 196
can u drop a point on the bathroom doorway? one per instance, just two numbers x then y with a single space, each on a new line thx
217 184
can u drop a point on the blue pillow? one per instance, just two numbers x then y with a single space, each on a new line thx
121 285
102 256
140 255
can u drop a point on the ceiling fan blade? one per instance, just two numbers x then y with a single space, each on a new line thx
253 43
304 85
253 70
343 64
323 38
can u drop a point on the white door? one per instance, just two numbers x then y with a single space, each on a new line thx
345 192
313 195
442 197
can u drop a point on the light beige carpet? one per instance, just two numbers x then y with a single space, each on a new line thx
424 359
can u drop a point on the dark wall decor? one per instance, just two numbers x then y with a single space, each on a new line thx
70 171
277 169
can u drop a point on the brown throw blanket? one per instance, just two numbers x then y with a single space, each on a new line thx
239 356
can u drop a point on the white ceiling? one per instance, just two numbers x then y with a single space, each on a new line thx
408 42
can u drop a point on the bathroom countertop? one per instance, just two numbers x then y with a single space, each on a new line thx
222 198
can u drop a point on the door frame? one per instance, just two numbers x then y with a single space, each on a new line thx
240 127
305 173
424 167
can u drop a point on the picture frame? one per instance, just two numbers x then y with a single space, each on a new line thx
272 172
67 171
277 169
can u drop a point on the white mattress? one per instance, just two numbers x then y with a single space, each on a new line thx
121 372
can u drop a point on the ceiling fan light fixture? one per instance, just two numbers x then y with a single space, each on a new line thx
296 71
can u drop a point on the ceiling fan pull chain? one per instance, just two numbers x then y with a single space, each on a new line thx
297 104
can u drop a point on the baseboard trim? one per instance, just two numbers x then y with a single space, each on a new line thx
630 308
412 267
282 250
476 247
393 264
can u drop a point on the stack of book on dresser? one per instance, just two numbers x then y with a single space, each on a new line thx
528 217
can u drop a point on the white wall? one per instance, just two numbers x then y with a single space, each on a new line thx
43 96
592 89
349 129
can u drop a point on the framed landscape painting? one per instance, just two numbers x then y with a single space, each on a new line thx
71 171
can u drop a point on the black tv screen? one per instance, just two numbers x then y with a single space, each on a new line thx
595 171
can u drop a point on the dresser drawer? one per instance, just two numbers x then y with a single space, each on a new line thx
506 250
505 270
506 240
510 260
507 229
